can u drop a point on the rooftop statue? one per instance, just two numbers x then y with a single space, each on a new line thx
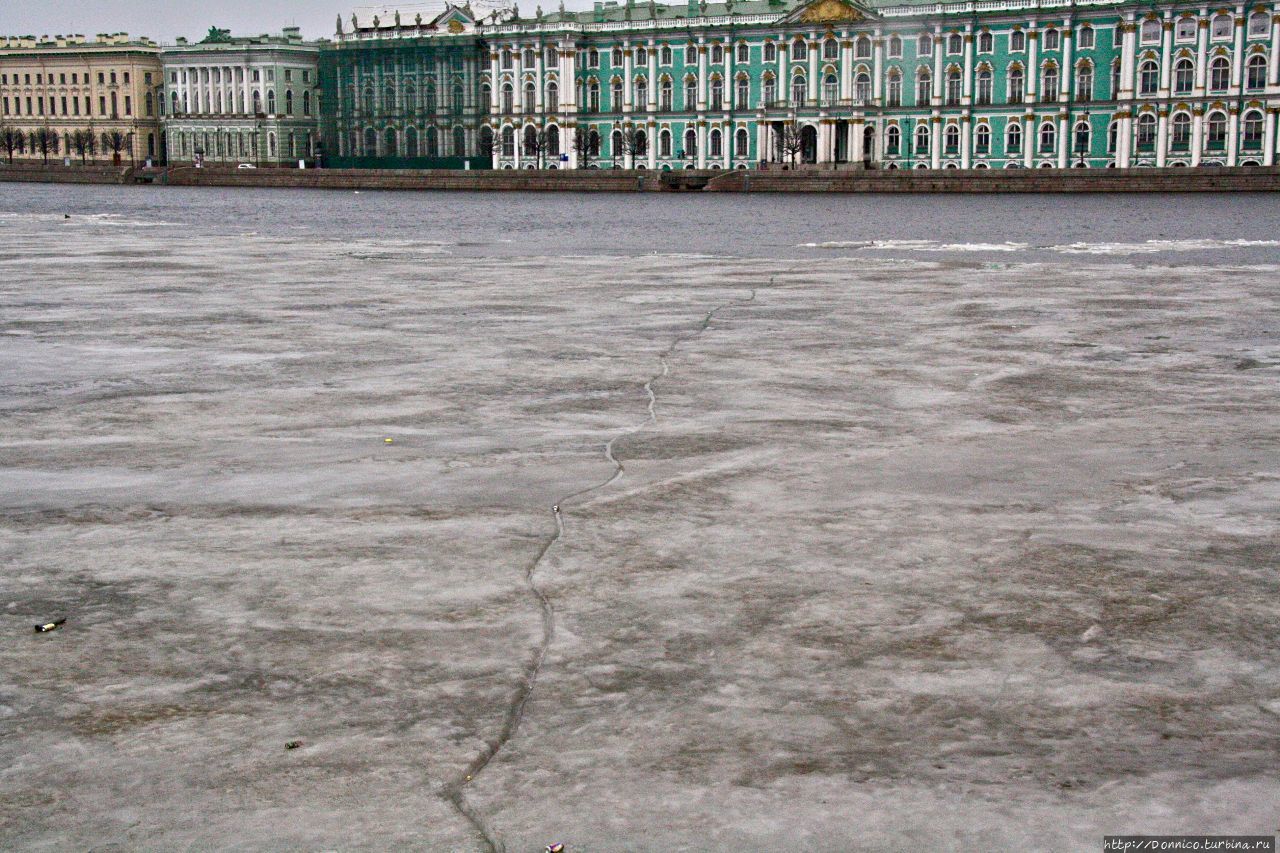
217 36
339 31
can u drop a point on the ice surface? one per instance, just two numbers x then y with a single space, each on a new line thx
914 554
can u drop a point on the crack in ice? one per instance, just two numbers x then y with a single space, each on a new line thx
455 791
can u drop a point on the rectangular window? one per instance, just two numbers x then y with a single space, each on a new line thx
39 79
62 78
102 79
126 77
288 75
102 105
64 105
29 105
75 106
128 105
6 106
40 106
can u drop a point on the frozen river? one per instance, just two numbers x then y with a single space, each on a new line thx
895 523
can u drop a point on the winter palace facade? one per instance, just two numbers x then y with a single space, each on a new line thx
976 84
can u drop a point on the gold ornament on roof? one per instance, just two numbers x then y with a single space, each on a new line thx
823 11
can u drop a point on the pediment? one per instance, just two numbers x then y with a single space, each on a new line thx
828 12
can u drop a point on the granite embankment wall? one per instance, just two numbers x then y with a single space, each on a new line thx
1246 179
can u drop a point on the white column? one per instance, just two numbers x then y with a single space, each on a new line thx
702 84
938 51
651 135
935 138
1066 74
784 76
246 106
1274 76
1197 135
814 48
1238 57
726 145
1064 140
652 106
628 64
1269 137
966 141
877 71
495 85
729 88
1030 141
1166 55
702 144
1033 64
846 71
517 62
539 79
857 132
1233 134
1162 138
1124 154
762 141
1202 54
569 82
966 94
1127 58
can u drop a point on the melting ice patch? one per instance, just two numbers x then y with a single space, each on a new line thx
115 219
916 246
1151 247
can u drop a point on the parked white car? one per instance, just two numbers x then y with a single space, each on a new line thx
246 166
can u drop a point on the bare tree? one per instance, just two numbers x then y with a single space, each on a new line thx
791 141
536 145
84 142
115 142
44 140
11 141
633 143
488 142
586 144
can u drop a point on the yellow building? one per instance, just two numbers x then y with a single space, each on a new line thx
57 94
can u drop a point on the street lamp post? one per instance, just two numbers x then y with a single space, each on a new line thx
1082 140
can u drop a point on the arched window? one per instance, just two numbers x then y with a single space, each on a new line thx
615 96
1049 89
986 42
1181 132
593 144
862 87
553 97
593 59
370 142
955 43
690 143
798 90
642 56
691 54
1146 132
799 49
769 89
690 92
459 142
1256 71
664 144
1115 78
1017 40
717 93
952 137
830 90
862 48
508 61
1150 32
895 47
1148 77
717 54
740 143
411 142
553 141
1051 39
1085 40
924 86
1185 29
1113 137
984 86
742 95
389 142
306 103
288 102
271 102
1013 138
665 94
508 141
922 139
666 56
641 144
531 141
1259 24
1252 129
716 149
1219 74
1221 28
1017 92
458 98
744 52
892 139
1048 137
1083 132
894 89
508 98
1217 134
770 52
616 58
1084 82
982 139
830 49
953 87
642 92
924 45
593 96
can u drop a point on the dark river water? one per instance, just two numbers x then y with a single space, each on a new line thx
1233 228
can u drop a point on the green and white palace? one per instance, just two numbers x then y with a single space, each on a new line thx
833 83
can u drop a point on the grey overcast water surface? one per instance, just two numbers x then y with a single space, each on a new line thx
955 527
